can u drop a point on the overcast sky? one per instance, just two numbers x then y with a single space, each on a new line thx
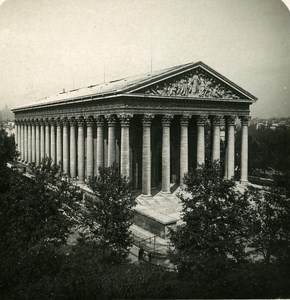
48 45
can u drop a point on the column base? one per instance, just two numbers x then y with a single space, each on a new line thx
145 196
165 193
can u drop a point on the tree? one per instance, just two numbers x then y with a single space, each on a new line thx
37 215
109 213
270 211
213 235
7 153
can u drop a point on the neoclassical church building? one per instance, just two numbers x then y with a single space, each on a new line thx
153 125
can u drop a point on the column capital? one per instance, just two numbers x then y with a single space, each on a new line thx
59 122
166 120
185 120
201 120
36 122
147 120
245 120
47 121
32 122
216 120
100 120
230 120
65 121
90 121
81 122
41 121
111 120
125 119
72 121
52 122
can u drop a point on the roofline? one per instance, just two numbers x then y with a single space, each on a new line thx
189 67
144 83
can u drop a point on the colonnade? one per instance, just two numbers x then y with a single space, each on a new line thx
70 143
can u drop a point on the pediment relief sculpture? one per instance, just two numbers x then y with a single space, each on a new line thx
196 83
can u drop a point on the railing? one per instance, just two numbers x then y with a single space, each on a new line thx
151 240
150 245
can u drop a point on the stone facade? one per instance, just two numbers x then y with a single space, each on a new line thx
153 127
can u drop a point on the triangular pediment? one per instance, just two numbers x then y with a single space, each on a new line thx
196 81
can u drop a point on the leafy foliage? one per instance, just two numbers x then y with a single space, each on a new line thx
212 237
7 153
109 214
36 218
270 211
269 149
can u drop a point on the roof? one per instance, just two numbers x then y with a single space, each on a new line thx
126 85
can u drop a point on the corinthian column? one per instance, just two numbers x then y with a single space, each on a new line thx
65 145
244 149
81 150
42 140
111 139
146 155
26 141
230 151
125 161
216 138
100 143
166 120
22 140
90 147
183 147
73 148
16 135
47 138
33 138
59 143
37 142
201 121
29 140
52 141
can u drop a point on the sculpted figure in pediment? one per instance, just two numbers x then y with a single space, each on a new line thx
194 84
